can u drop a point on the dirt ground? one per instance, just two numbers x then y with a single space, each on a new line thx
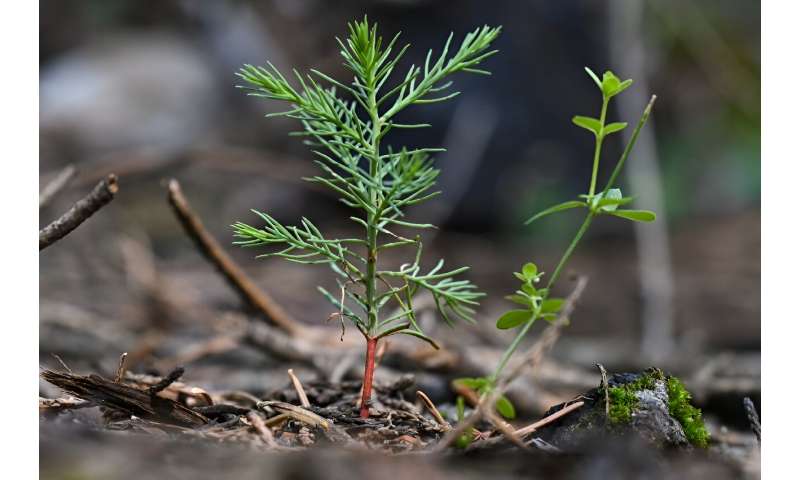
130 280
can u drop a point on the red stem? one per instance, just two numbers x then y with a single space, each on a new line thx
369 370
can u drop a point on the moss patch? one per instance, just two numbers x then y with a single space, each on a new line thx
623 400
690 418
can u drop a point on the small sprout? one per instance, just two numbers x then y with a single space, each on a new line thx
465 438
596 203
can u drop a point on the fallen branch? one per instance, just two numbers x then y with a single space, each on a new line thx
529 360
102 193
56 184
126 399
234 275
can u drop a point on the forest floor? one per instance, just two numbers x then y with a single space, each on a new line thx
204 392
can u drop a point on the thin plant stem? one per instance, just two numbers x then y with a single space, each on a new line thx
524 330
372 220
568 253
369 371
629 146
584 226
598 146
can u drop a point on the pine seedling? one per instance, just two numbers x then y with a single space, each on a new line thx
379 182
534 301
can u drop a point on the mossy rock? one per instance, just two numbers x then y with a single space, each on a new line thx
650 404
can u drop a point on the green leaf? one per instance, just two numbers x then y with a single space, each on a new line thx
622 86
612 200
611 83
635 215
614 127
473 383
529 270
529 289
513 318
589 123
594 77
549 317
552 305
505 408
519 299
556 208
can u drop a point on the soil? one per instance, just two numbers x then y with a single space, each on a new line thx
156 427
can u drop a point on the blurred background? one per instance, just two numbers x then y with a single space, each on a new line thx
146 90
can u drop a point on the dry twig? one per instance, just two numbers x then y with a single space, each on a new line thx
56 184
604 383
432 409
126 399
62 362
301 393
548 419
165 382
263 431
298 413
235 276
121 368
84 208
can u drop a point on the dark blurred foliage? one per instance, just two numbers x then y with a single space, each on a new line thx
703 61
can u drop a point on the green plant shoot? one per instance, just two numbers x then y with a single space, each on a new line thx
535 302
379 182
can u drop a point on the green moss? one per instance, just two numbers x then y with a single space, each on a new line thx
690 418
623 400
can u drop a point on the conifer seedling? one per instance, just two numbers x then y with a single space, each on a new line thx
346 124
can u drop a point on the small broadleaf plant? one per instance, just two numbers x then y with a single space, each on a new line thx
535 301
377 181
